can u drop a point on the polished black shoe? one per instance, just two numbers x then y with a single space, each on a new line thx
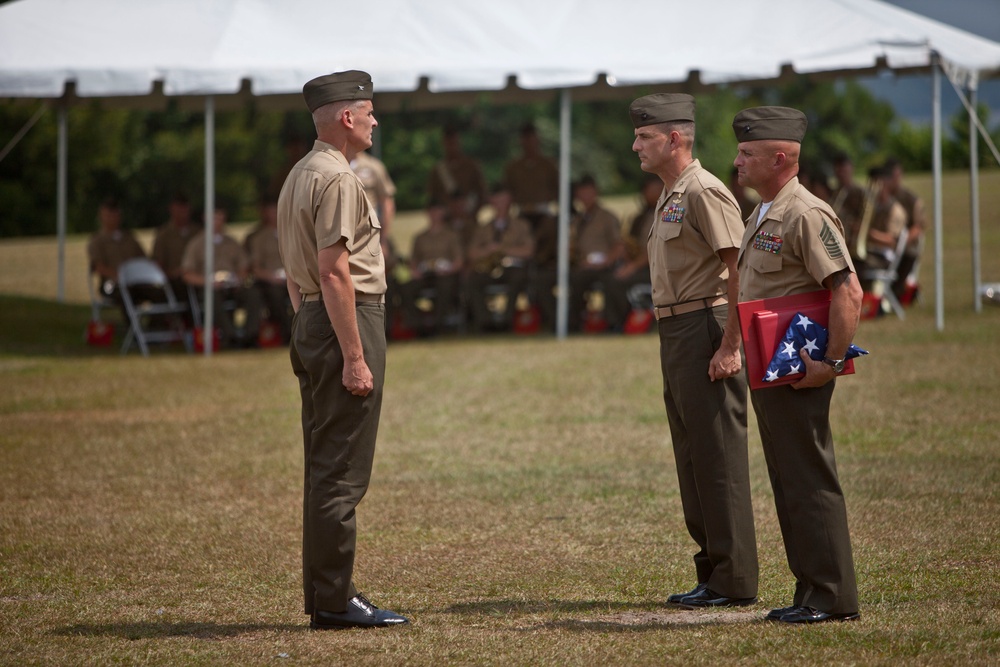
811 615
776 614
360 614
677 597
706 597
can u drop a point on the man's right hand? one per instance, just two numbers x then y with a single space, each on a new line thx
357 377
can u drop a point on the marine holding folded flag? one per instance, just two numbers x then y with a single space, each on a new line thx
793 244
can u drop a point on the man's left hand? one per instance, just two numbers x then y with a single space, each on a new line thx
817 373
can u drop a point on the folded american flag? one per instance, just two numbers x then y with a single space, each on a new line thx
805 334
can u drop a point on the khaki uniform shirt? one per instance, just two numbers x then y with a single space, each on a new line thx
374 176
262 250
594 235
692 223
322 203
169 246
113 248
889 218
228 255
436 247
799 243
533 182
915 215
849 204
515 238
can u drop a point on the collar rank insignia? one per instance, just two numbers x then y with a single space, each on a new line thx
767 242
673 213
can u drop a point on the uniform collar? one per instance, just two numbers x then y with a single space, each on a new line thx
323 147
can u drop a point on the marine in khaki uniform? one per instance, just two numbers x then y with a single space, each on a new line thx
533 179
266 269
328 235
498 254
379 187
171 240
232 268
436 262
794 244
692 248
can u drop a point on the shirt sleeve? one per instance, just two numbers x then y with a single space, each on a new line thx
718 219
822 246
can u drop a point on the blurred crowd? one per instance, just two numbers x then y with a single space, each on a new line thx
486 260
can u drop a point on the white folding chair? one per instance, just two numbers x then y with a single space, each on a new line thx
887 276
142 312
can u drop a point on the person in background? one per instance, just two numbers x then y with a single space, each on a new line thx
110 246
379 187
457 176
171 239
634 268
229 282
692 257
533 179
849 201
436 263
916 223
498 254
794 244
328 234
266 270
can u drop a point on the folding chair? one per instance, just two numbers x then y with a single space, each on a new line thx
143 309
887 276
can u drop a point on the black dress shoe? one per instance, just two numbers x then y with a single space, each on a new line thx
811 615
677 597
360 614
776 614
706 597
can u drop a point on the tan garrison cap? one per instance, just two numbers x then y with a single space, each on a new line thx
770 123
350 85
661 108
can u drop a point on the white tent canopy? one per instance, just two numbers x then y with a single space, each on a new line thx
423 52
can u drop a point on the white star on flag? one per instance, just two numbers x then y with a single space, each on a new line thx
786 362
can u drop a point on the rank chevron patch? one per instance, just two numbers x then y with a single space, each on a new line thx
831 242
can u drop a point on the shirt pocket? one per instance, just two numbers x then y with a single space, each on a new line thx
763 262
375 242
667 231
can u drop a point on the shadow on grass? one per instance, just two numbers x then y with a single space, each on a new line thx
606 616
154 630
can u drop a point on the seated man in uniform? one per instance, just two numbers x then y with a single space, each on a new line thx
231 270
595 246
436 264
110 246
498 254
265 266
888 221
634 269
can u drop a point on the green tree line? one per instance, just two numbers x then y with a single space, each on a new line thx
145 157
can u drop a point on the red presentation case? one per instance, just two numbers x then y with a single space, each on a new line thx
763 324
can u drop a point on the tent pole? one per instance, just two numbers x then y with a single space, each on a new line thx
977 276
938 231
565 122
209 299
62 161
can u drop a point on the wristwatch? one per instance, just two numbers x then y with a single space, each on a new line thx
836 364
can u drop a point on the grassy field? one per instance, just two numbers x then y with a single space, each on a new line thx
524 505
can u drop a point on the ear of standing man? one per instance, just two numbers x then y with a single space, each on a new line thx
329 240
794 243
693 247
